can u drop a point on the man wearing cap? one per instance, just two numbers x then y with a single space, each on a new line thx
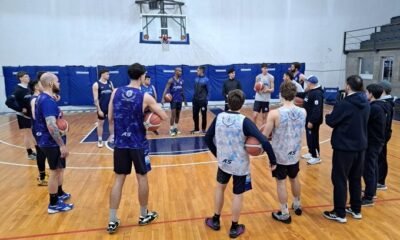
102 90
230 84
382 161
314 106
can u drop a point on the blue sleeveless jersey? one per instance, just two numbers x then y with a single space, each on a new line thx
148 89
176 90
105 91
129 131
45 106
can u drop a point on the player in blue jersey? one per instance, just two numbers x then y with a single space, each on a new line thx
149 88
52 142
102 90
126 112
226 138
175 88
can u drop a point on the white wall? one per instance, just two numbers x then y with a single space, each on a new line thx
91 32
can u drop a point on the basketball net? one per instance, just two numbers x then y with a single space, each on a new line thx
164 39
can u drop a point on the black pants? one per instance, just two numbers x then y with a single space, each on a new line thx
226 105
313 140
197 107
370 170
347 166
382 165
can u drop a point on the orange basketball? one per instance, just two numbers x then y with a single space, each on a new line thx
62 124
168 97
259 86
298 101
253 146
152 121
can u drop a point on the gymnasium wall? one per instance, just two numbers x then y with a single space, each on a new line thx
101 32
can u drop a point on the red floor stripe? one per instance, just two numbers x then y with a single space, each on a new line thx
169 221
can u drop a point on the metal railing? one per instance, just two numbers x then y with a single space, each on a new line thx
365 39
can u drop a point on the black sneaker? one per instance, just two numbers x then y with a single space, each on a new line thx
112 226
148 218
279 216
297 210
354 214
214 225
236 232
365 202
382 187
331 215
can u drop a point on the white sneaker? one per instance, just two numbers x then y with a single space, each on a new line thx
307 156
313 161
100 144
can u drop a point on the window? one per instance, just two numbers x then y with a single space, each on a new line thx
387 68
366 67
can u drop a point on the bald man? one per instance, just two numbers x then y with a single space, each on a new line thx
52 141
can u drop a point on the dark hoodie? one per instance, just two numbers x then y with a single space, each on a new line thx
389 105
349 120
314 105
377 124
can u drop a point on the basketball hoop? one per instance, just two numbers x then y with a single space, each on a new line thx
164 39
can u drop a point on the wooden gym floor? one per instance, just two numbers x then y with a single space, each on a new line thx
181 190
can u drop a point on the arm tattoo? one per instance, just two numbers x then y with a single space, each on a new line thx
54 131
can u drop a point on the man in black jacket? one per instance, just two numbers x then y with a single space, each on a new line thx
314 106
349 120
230 84
22 96
382 161
376 140
200 101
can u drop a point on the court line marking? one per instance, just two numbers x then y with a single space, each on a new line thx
379 201
87 135
153 166
6 123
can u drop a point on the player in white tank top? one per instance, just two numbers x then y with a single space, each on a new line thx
286 125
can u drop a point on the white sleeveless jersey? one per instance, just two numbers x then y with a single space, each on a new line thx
286 139
229 140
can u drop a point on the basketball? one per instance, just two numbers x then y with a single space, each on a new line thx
298 101
62 124
168 97
253 146
259 86
152 121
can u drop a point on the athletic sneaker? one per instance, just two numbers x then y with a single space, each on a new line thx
177 131
65 196
214 225
194 132
156 132
331 215
297 210
172 132
42 182
148 218
279 216
100 144
365 202
375 197
307 156
314 161
354 214
32 156
112 226
203 132
382 187
236 232
60 207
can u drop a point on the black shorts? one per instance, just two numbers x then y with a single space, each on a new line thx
123 158
105 115
261 106
53 155
176 105
23 122
240 185
282 171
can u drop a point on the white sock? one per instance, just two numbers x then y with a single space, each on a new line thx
113 215
172 127
284 209
296 202
100 139
143 211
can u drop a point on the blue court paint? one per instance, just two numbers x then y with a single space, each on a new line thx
216 111
161 146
